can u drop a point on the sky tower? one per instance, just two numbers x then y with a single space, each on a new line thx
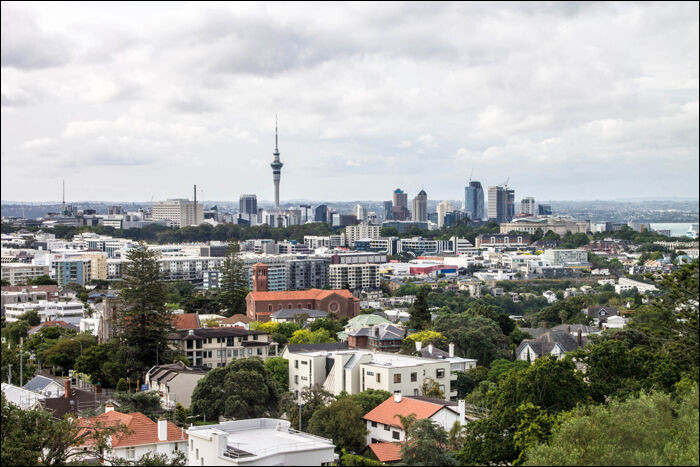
276 170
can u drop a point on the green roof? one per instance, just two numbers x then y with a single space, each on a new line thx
365 320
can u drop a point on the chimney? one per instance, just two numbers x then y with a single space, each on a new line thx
462 411
451 350
109 407
430 349
580 338
419 345
568 329
397 397
66 385
162 429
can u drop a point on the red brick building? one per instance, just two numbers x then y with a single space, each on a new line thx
341 303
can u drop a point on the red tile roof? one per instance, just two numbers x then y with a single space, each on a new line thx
311 294
387 452
186 321
387 412
140 428
237 318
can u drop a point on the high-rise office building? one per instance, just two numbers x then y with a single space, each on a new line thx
387 211
321 213
501 204
510 204
360 213
443 208
474 201
307 213
420 207
527 206
399 212
178 212
544 209
248 204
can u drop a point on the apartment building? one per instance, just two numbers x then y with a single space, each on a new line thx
190 268
502 241
70 312
562 257
357 370
178 212
21 273
354 276
174 382
215 347
257 441
558 225
362 231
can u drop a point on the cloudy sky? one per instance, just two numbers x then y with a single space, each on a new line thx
134 101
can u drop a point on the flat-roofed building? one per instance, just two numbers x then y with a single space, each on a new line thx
178 212
257 441
354 276
215 347
21 273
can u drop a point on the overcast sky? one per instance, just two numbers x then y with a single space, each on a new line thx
567 101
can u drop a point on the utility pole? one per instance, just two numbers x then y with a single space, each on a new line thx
300 415
9 373
21 355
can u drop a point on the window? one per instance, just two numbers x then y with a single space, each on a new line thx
395 434
440 373
175 447
296 379
296 363
269 307
414 377
379 377
397 378
260 352
416 392
250 352
279 307
255 337
374 424
386 428
290 306
130 453
197 453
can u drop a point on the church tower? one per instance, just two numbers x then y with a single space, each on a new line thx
260 277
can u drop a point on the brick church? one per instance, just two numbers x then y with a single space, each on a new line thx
260 303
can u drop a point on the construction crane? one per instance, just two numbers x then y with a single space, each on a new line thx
471 174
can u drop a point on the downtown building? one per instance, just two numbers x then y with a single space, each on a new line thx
354 276
474 201
178 212
501 204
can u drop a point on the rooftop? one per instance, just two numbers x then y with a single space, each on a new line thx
260 437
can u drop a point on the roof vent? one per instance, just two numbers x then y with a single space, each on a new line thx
397 397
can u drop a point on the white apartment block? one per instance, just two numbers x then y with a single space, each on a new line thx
20 273
257 441
624 284
188 268
560 257
356 276
357 370
70 312
362 231
178 212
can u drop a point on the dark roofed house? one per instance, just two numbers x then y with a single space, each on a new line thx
215 347
58 323
174 382
287 314
45 386
555 343
383 337
600 314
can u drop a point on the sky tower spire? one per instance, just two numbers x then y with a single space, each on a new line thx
276 169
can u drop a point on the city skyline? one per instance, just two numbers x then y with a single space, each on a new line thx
568 101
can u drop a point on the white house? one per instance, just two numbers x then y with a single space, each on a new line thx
257 441
45 386
550 296
174 382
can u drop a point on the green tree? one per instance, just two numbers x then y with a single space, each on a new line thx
474 336
431 388
242 389
14 331
426 445
368 399
501 366
43 280
304 336
10 356
644 430
420 315
34 437
279 369
64 353
122 385
179 458
233 286
31 317
535 427
144 320
333 326
146 402
311 399
355 460
102 364
468 380
342 422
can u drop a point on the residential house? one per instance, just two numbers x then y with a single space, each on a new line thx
600 314
215 347
386 433
236 321
574 329
362 321
383 337
287 315
45 386
550 296
174 382
555 343
142 436
22 398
